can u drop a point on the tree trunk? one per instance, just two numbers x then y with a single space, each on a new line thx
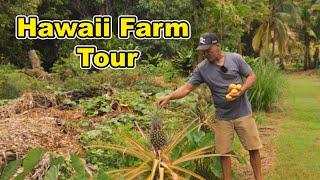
239 49
108 6
316 58
307 50
196 7
282 64
273 44
307 57
34 59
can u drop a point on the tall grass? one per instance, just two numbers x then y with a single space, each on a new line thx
269 85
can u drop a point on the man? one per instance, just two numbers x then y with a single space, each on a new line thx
218 70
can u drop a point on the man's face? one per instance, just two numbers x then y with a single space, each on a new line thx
213 53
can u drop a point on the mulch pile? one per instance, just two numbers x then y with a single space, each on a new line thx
33 120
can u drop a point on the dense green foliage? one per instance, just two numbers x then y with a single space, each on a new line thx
240 24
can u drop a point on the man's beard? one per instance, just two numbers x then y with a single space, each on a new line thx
213 58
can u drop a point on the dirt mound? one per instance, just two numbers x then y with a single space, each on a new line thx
43 127
26 102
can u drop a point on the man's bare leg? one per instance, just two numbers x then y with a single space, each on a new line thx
226 167
256 163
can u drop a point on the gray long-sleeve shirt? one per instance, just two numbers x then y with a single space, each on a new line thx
218 82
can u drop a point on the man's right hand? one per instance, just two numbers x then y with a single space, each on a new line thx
177 94
163 100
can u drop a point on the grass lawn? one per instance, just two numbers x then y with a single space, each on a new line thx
298 140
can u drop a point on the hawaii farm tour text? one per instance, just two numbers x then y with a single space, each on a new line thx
100 27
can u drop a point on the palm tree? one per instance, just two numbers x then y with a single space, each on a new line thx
273 28
309 12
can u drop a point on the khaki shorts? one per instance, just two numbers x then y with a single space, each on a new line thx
246 129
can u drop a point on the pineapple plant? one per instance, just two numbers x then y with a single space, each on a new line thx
158 164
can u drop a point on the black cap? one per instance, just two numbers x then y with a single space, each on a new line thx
206 41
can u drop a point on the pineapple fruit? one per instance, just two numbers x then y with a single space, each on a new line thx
158 137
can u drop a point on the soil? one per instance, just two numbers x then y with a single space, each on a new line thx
267 154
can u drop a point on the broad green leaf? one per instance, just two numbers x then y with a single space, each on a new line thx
57 161
78 166
32 159
52 174
10 169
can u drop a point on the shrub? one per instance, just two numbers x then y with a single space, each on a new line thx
13 83
68 67
183 62
268 87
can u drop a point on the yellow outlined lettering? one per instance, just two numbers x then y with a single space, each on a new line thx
156 33
86 29
26 27
45 29
65 29
143 29
85 52
29 27
126 25
107 28
98 32
156 29
131 59
177 29
119 60
101 59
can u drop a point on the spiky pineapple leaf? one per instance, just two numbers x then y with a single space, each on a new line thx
81 172
200 151
137 171
186 171
154 167
178 137
10 169
136 144
117 171
30 161
127 150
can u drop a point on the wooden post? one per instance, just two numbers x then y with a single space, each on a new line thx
34 59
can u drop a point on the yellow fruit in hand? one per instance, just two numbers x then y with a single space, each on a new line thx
232 86
239 86
229 98
233 91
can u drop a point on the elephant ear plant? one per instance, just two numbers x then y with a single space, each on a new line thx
155 163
